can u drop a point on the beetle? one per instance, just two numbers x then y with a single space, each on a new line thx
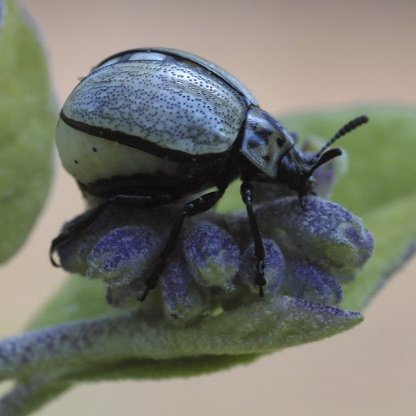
150 126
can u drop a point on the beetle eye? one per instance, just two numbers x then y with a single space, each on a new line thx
280 141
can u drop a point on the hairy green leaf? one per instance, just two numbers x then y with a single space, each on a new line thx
27 118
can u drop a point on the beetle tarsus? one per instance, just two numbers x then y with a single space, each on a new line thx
56 242
151 282
53 261
302 203
260 281
142 296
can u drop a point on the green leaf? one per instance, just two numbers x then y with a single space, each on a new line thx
27 119
394 229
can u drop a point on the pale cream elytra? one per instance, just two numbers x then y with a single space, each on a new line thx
169 105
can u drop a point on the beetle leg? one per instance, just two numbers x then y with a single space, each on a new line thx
72 229
79 224
201 204
247 197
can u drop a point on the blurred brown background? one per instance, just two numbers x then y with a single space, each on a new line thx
294 55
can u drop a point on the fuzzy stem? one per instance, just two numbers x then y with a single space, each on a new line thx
26 397
257 328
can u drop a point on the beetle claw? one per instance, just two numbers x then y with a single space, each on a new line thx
142 296
56 242
302 203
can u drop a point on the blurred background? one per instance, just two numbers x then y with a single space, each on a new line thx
294 55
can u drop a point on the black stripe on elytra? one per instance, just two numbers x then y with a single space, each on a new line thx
140 143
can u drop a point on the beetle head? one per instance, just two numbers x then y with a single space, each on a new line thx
271 150
296 171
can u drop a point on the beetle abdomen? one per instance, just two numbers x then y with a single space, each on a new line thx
170 105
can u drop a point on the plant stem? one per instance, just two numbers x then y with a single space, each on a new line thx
257 328
26 397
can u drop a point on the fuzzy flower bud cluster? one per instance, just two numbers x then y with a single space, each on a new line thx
310 251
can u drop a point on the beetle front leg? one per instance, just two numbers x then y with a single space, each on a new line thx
76 226
247 197
196 206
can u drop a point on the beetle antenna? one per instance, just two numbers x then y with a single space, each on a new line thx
347 128
324 156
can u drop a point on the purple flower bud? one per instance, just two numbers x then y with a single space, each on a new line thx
182 299
306 281
212 256
323 232
73 253
274 268
124 254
